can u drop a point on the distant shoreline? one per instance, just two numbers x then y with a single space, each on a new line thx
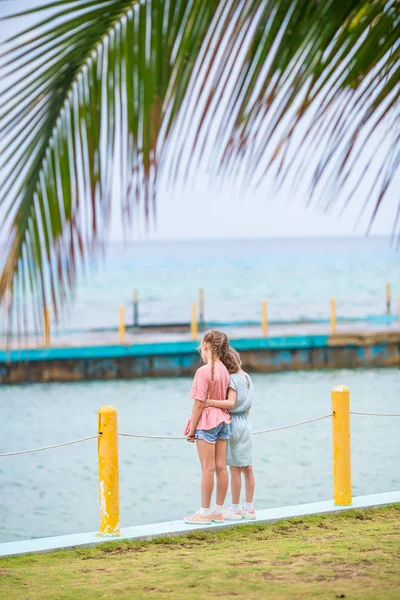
272 239
360 237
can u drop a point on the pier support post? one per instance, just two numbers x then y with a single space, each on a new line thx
342 493
201 306
264 318
193 322
108 471
121 325
333 315
388 298
135 308
46 326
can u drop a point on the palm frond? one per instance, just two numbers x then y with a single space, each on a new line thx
313 84
94 89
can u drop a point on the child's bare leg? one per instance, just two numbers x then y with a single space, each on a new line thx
236 483
222 473
249 482
206 454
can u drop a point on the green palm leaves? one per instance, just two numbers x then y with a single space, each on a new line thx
86 110
95 89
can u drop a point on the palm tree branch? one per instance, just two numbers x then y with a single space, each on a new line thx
66 118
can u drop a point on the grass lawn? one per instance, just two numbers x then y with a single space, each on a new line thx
355 554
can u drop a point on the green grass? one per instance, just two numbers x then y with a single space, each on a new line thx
355 554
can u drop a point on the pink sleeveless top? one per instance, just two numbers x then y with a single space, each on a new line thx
212 416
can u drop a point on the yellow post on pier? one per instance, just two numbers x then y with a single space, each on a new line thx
201 305
108 471
398 317
388 298
342 494
121 325
46 326
333 315
264 318
135 308
193 322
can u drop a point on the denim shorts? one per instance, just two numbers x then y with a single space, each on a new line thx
220 432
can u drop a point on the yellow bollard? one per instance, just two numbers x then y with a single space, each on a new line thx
121 326
135 308
108 471
46 326
193 322
264 318
333 315
201 305
388 298
342 494
399 311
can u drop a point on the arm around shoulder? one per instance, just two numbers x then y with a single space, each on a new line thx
228 404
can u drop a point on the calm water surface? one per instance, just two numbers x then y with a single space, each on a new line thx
55 492
297 276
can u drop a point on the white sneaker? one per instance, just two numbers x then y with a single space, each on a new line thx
198 519
230 515
249 515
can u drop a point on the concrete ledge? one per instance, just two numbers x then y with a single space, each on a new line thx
156 349
147 532
176 359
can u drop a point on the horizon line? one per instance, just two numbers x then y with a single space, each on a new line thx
274 238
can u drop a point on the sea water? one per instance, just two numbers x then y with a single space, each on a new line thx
298 277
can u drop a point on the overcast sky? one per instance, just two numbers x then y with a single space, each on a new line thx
205 208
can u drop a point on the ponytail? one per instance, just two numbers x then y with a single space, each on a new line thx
219 348
232 361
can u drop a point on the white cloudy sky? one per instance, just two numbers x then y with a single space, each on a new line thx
204 208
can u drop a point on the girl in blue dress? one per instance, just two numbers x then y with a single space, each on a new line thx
239 450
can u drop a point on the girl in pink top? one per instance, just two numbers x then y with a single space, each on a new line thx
210 426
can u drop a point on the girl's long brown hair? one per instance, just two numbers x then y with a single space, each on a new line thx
219 347
232 361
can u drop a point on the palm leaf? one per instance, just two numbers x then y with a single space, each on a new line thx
331 69
91 86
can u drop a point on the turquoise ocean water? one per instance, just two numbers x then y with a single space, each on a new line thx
298 277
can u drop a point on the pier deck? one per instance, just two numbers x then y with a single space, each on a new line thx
147 532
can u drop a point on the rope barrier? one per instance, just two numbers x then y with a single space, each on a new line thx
152 437
293 424
352 412
92 437
166 437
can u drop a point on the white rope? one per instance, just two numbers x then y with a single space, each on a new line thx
160 437
92 437
152 437
292 425
352 412
166 437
